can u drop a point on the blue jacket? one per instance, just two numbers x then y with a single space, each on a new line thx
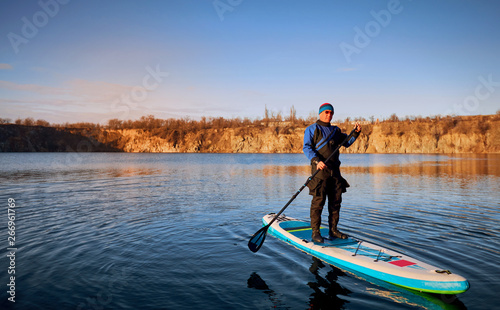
317 148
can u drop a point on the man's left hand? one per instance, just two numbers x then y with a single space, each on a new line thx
357 127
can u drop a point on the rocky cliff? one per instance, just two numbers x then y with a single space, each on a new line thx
479 134
468 135
228 140
20 138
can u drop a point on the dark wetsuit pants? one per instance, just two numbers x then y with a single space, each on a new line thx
330 189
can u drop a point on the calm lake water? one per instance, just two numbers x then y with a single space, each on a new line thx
170 231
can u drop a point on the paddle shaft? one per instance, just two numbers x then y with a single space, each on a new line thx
309 179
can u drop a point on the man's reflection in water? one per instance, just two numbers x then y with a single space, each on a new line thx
326 290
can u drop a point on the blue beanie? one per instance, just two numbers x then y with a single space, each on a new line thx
325 106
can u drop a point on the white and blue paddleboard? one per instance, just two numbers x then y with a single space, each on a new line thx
373 260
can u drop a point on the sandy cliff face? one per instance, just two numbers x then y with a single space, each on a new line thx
272 141
139 141
227 140
428 140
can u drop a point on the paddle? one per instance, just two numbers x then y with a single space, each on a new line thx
258 238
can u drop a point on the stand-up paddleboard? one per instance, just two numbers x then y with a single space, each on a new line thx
373 260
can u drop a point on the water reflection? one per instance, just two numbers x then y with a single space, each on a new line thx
329 298
132 172
452 167
326 289
91 173
328 293
255 281
457 165
283 171
405 296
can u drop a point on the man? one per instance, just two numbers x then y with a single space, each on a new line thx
320 140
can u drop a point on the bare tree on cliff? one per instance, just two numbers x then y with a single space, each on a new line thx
293 115
266 116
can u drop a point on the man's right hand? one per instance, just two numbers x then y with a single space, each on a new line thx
320 166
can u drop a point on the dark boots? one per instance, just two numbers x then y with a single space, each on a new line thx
333 220
337 234
316 236
315 225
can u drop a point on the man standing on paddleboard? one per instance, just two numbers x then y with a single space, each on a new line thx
320 140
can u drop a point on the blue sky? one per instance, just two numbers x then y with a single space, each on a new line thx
71 61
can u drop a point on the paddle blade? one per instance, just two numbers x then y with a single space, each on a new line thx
257 239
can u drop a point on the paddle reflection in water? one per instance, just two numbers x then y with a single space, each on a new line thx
255 281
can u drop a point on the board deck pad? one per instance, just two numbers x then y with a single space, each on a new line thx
304 232
373 260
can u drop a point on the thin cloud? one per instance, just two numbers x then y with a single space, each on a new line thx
346 69
78 97
98 91
90 91
35 88
5 66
